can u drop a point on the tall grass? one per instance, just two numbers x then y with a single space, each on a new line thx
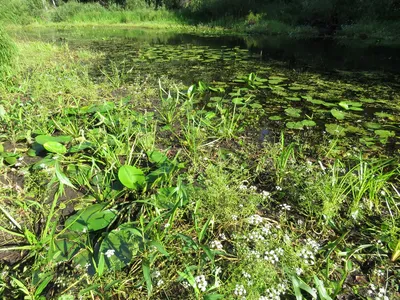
7 53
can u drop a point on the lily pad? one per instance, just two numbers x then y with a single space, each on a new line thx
335 129
338 114
293 112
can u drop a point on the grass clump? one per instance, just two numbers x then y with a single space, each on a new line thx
8 51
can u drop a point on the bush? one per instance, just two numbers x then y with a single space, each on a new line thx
72 8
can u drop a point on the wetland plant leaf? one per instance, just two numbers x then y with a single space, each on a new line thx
131 177
63 139
92 218
294 125
55 147
351 105
275 118
156 157
120 246
384 134
372 125
335 129
340 115
293 112
308 123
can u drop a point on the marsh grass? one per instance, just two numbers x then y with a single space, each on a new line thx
206 212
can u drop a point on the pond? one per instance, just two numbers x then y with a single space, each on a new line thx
313 89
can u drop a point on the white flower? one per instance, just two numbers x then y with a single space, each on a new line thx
239 290
234 217
265 194
109 253
201 282
216 245
255 219
278 188
285 207
160 282
299 271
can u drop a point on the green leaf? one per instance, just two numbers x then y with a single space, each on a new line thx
338 114
101 264
308 123
321 289
294 125
157 157
385 133
275 118
120 246
160 247
131 177
92 218
147 276
62 178
335 129
55 147
42 139
293 112
43 285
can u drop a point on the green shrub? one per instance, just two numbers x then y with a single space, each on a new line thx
70 9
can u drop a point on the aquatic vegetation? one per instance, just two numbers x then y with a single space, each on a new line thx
256 184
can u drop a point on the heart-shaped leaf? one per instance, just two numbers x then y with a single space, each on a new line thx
131 177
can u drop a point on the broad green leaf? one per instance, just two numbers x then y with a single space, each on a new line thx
157 157
55 147
120 246
131 177
338 114
42 139
308 123
275 118
295 125
92 218
335 129
293 112
385 133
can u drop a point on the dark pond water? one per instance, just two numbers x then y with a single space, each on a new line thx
344 89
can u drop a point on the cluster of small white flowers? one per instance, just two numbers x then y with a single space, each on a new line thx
271 256
299 271
255 235
222 236
308 256
253 188
216 245
201 282
160 283
265 194
185 284
248 277
285 207
255 219
254 254
379 273
266 229
109 253
242 187
274 293
234 217
278 188
313 244
239 290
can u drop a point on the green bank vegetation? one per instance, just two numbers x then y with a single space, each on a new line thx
124 189
371 19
